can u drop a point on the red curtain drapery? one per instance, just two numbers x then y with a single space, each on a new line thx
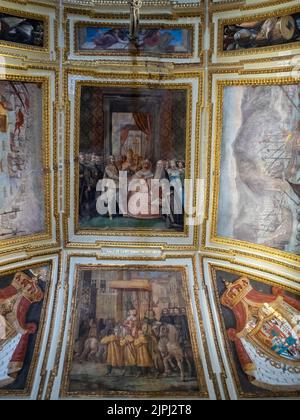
125 132
143 122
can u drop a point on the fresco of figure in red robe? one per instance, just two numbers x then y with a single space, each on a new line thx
22 295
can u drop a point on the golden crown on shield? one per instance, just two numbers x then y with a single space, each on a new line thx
236 291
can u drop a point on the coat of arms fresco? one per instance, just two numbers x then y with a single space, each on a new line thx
263 329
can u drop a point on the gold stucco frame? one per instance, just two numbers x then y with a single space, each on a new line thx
83 24
101 19
214 162
253 53
64 393
28 15
233 4
213 267
45 314
29 242
129 76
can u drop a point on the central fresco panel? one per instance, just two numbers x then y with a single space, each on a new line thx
137 136
125 180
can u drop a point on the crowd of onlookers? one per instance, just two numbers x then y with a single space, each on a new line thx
93 168
132 347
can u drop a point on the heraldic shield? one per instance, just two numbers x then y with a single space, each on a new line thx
267 334
15 302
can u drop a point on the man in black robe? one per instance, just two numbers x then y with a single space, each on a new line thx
183 321
166 318
95 175
85 182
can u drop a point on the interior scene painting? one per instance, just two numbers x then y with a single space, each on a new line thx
262 325
21 159
259 197
262 33
22 295
139 134
99 39
21 30
132 334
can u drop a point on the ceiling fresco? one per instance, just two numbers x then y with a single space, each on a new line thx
149 200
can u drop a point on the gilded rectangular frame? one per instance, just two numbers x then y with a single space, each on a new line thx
224 343
233 4
67 358
49 147
68 153
254 53
46 314
173 21
216 123
29 15
162 9
82 24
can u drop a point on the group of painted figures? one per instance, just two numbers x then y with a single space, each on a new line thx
92 169
139 348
